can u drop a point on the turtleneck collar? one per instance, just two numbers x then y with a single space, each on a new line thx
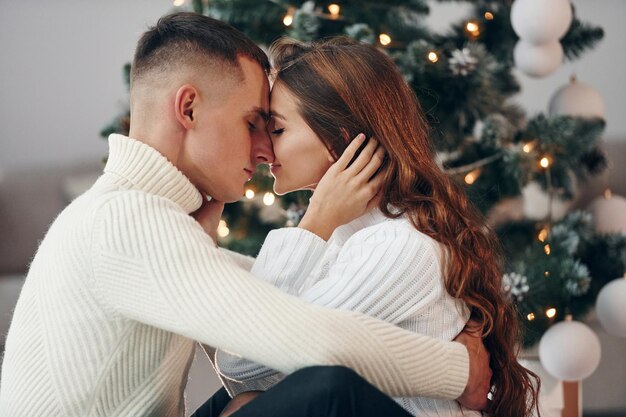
144 168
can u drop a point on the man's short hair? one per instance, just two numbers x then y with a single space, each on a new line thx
185 38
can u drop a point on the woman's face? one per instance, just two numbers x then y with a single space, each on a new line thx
300 157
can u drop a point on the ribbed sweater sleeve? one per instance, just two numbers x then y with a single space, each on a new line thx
387 271
153 263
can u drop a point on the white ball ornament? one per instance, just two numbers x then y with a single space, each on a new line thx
611 308
570 351
577 99
609 214
538 60
541 21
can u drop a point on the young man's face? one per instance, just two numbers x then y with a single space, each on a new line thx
230 139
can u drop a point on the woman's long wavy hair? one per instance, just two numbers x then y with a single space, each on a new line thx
344 87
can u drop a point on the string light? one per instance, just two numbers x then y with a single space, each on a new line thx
288 19
545 162
433 57
334 10
546 248
250 194
222 229
384 39
527 147
471 177
268 199
543 235
530 316
472 28
551 312
546 274
488 15
607 193
179 2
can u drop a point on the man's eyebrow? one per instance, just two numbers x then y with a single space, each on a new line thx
261 112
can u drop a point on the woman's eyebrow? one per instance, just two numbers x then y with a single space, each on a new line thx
277 115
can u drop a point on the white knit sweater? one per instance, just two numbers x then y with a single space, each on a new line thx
126 280
375 265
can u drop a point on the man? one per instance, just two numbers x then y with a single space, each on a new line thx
126 279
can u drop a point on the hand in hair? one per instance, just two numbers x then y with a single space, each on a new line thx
348 189
479 381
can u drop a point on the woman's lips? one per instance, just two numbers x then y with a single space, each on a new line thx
274 168
250 174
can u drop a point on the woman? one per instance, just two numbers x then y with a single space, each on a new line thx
423 260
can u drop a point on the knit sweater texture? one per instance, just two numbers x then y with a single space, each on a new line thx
379 266
126 282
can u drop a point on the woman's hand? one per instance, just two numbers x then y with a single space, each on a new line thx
347 190
239 401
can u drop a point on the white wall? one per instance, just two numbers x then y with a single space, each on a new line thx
61 72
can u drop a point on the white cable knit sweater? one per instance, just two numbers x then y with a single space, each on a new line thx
126 280
382 267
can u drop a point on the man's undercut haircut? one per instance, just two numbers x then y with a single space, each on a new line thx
190 39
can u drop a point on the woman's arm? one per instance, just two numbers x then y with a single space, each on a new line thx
389 271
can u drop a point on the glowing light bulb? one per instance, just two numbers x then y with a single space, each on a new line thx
268 199
288 19
546 274
222 229
545 162
551 312
607 193
527 148
543 235
488 15
471 177
179 2
384 39
433 57
472 28
334 10
530 316
249 194
546 248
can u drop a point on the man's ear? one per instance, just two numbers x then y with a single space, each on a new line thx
185 103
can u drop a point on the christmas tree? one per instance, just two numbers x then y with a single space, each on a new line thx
464 81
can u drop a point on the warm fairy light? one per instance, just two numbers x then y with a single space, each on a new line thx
551 312
472 28
530 316
288 19
547 273
488 15
179 2
433 57
384 39
546 248
334 10
471 177
268 199
545 162
527 148
249 194
222 229
607 193
543 235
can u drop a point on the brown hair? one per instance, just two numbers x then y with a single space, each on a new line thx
343 86
182 38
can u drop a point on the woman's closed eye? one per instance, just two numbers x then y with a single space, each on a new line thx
278 131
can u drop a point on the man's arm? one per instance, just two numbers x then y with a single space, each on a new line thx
153 263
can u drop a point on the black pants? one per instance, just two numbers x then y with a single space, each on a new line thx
319 391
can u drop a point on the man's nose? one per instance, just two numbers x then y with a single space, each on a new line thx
262 150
